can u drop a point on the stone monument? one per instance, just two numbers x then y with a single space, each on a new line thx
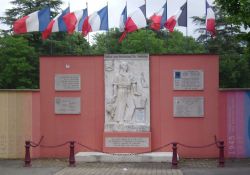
127 99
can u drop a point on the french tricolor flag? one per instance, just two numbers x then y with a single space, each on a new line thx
34 22
123 19
210 19
96 21
56 25
159 19
74 20
135 21
180 18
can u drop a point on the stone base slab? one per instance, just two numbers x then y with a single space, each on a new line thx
123 157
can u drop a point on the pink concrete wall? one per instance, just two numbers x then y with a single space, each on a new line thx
36 132
87 127
190 131
235 122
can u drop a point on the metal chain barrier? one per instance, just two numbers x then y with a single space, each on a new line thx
203 146
33 144
28 144
54 146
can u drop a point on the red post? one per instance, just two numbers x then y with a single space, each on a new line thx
174 158
27 160
72 154
221 154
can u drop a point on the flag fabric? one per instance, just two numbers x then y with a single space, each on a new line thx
180 18
210 19
123 19
74 20
56 25
135 21
159 19
96 21
34 22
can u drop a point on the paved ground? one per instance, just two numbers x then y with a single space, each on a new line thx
186 167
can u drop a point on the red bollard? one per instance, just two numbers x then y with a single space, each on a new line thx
27 160
174 158
72 154
221 154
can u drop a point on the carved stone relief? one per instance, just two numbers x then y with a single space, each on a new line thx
127 93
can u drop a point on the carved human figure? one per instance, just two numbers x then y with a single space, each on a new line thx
124 91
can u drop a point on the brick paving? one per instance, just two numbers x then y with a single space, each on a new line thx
185 166
121 168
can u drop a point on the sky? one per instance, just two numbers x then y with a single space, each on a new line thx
195 8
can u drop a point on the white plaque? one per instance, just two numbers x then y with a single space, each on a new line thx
67 105
67 82
127 93
131 142
188 106
188 79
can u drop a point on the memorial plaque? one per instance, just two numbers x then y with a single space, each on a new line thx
131 142
67 82
67 105
188 79
188 106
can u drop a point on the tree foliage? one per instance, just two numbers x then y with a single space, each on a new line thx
234 62
18 66
238 11
146 41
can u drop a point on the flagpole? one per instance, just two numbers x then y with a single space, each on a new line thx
206 23
146 44
187 20
108 41
166 19
70 46
187 43
126 18
87 14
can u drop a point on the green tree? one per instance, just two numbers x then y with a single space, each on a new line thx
234 67
143 41
177 43
237 11
146 41
18 64
64 44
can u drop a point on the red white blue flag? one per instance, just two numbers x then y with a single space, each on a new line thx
159 18
123 19
56 25
135 21
180 18
34 22
74 20
96 21
210 19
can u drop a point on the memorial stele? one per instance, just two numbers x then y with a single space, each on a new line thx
127 98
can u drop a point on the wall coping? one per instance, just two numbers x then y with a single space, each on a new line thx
102 55
19 90
234 89
38 90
